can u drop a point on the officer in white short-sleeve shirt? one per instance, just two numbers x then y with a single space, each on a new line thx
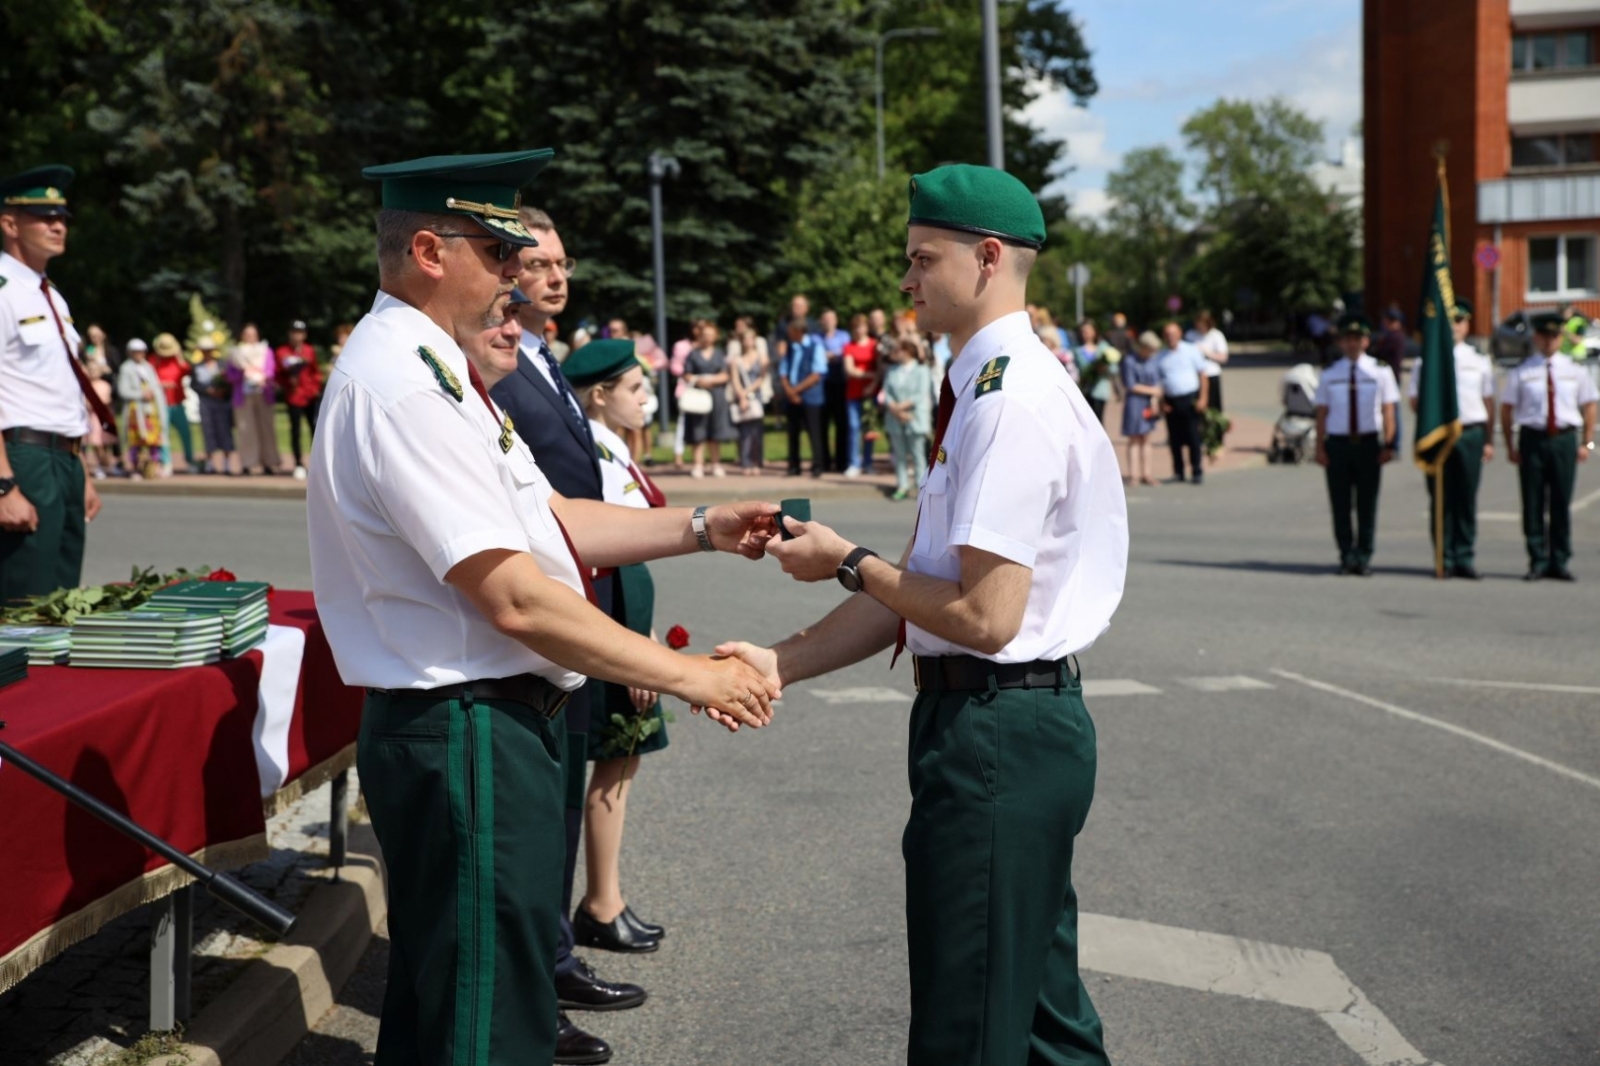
1356 401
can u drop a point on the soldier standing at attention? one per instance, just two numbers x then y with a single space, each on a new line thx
1356 401
1544 402
452 592
1463 467
1016 564
45 495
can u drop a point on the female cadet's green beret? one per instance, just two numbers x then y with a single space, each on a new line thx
598 361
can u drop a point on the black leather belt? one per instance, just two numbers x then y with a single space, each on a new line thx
528 689
24 435
1358 436
1540 431
1475 425
966 673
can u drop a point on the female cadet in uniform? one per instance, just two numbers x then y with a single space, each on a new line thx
613 389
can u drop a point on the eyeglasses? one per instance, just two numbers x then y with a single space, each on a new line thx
504 252
544 266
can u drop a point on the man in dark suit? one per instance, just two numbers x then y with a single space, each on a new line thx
554 427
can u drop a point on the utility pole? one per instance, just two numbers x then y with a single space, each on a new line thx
877 82
661 167
991 83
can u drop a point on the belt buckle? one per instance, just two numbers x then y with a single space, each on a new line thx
557 706
916 672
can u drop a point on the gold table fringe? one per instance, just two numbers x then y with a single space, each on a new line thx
309 781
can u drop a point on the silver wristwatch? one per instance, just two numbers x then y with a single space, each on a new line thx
697 522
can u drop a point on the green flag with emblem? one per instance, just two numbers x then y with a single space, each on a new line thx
1438 414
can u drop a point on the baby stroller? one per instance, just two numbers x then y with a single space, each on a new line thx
1295 433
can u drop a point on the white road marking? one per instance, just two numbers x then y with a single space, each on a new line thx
1237 683
1115 686
1525 686
1499 516
1209 962
1586 502
1448 727
870 694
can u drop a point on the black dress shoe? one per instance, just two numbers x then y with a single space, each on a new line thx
1534 575
1198 479
616 935
1467 572
647 928
574 1047
1559 573
582 990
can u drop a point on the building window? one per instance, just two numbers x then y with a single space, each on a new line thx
1551 51
1553 150
1561 267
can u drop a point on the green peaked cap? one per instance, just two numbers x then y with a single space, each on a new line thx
1550 324
1463 308
598 361
1353 325
40 191
978 200
485 188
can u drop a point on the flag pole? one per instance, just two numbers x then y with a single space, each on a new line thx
1440 151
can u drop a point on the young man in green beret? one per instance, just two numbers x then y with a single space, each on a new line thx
1016 565
46 497
1356 401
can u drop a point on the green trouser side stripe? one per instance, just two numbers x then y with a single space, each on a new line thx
470 780
466 897
483 835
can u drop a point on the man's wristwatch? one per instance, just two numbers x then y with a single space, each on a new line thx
697 522
849 572
6 485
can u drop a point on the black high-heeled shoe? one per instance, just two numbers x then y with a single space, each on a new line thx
615 935
650 929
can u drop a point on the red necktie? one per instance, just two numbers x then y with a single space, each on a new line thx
108 421
1355 419
1550 426
583 571
947 406
652 495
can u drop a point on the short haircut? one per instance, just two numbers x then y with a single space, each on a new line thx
535 219
858 321
395 230
1023 259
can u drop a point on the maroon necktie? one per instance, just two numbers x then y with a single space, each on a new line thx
652 495
1355 419
583 571
108 421
1550 425
947 406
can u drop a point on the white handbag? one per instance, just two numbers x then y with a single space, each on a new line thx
695 401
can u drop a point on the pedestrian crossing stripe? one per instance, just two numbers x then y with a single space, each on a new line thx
1237 683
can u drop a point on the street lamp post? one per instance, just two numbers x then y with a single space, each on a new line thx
661 167
883 39
991 83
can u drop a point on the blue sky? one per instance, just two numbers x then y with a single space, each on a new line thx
1159 61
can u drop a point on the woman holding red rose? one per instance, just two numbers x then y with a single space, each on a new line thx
613 390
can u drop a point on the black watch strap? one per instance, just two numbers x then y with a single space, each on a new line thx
852 567
6 485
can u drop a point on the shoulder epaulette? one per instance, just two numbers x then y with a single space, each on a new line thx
3 280
992 376
603 451
507 429
446 379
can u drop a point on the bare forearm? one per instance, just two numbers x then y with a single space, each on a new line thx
1388 423
609 535
940 607
857 629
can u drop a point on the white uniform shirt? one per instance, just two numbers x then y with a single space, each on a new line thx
617 481
1028 474
37 386
404 483
1527 390
1375 386
1474 384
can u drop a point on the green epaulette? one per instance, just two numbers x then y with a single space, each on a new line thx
605 453
992 376
2 281
446 379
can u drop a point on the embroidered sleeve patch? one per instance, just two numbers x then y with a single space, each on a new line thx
603 451
992 377
508 430
447 380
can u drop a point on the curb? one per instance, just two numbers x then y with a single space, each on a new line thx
280 997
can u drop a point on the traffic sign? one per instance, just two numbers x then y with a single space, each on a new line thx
1487 257
1174 304
1078 274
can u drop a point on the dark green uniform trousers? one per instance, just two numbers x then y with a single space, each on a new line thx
1001 783
466 800
1354 476
51 557
1548 472
1463 469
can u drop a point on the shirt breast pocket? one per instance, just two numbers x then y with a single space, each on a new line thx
39 340
532 492
933 521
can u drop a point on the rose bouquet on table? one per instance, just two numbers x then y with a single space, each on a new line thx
65 606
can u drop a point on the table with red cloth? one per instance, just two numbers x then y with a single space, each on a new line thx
175 750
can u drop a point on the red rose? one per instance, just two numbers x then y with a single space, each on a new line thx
677 638
221 575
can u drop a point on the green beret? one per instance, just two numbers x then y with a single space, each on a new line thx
1463 308
598 361
485 188
40 191
1549 324
978 200
1354 325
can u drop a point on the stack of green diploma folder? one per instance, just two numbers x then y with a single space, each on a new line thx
47 645
13 663
147 640
242 605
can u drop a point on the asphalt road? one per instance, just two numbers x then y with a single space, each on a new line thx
1429 822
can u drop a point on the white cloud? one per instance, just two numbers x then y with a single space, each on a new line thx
1089 203
1085 132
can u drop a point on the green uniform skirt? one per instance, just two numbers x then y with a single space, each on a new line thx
466 801
633 604
1001 783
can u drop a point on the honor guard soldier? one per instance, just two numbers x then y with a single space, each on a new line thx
451 591
1463 467
1356 401
45 495
1544 403
1016 564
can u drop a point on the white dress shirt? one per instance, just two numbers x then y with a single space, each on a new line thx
37 386
405 481
1474 384
617 481
1027 473
1527 390
1375 386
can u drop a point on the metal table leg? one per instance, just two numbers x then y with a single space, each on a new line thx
339 820
171 959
